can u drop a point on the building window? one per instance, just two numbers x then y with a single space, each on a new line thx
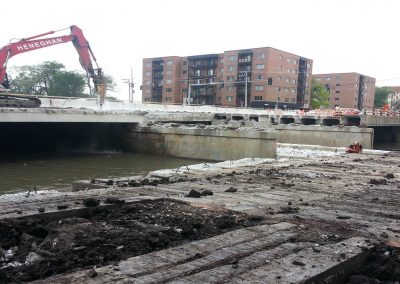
318 79
184 72
260 55
147 91
168 90
221 60
197 72
258 98
328 78
147 99
231 68
147 82
184 62
280 68
306 84
281 57
289 60
167 99
230 78
229 98
289 70
337 92
279 78
336 99
294 71
260 66
259 77
286 100
232 58
259 88
169 62
286 90
293 100
337 77
308 75
293 81
229 88
221 70
269 81
287 80
184 91
148 73
147 65
308 65
293 91
210 72
169 81
294 61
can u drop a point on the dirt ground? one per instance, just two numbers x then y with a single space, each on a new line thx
41 250
326 201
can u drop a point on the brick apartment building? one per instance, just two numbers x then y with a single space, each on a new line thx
394 97
349 90
273 77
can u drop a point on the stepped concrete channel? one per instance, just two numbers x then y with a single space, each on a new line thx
320 218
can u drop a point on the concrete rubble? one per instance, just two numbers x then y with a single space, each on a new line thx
320 217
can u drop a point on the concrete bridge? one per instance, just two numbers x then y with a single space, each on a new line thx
76 122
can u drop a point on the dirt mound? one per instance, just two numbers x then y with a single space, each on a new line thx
35 250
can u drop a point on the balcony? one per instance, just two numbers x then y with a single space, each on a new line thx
245 60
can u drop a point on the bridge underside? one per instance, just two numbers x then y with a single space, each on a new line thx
35 138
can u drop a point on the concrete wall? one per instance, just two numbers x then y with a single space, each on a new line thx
208 144
375 120
325 135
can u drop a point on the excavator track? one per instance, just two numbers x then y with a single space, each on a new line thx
18 101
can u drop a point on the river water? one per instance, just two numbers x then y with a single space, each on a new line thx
60 170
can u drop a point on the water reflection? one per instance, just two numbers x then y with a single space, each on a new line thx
45 172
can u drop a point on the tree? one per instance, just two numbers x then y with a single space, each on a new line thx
48 79
319 95
381 96
69 84
51 79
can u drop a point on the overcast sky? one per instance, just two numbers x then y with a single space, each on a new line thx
340 36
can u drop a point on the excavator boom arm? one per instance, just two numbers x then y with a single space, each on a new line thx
86 56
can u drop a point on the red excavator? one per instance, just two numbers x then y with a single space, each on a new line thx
86 57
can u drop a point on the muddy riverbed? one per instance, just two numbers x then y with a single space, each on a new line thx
34 250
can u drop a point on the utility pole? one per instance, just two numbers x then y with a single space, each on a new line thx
130 87
131 90
245 91
188 96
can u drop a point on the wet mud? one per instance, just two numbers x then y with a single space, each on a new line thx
31 249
